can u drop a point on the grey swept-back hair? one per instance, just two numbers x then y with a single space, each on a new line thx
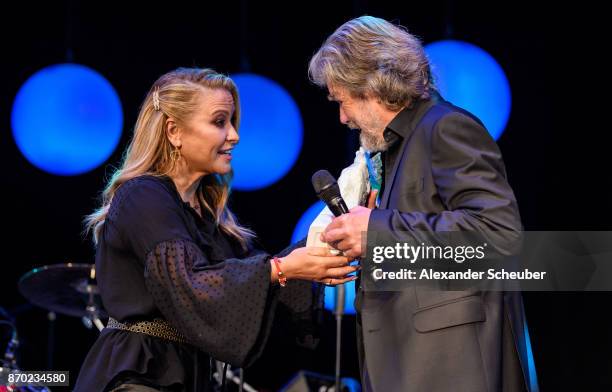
370 56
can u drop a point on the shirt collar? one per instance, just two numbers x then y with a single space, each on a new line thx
407 119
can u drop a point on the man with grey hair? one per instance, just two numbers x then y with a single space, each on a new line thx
441 172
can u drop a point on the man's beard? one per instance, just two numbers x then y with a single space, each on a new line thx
371 132
370 139
371 142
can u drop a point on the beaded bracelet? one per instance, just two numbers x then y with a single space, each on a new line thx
282 279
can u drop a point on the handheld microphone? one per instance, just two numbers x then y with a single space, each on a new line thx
328 191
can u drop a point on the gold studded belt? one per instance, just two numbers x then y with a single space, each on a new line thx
158 328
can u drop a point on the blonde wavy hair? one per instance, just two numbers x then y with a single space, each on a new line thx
370 56
176 94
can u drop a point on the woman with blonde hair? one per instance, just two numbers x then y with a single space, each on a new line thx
178 275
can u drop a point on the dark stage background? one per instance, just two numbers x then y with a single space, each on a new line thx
555 145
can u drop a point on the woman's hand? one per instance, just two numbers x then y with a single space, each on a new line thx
346 232
316 264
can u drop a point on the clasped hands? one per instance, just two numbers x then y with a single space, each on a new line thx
345 234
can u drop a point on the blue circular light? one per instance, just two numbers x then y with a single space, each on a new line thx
270 133
67 119
300 232
470 78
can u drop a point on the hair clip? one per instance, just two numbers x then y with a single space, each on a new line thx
156 98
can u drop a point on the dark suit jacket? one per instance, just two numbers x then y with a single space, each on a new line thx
448 175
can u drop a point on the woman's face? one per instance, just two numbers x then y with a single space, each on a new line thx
208 137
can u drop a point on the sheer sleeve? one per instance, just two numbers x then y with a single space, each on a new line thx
225 308
220 307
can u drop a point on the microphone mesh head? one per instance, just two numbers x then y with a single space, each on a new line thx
325 185
322 179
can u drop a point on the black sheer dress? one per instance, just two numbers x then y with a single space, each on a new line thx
157 258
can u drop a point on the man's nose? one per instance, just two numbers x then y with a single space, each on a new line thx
343 118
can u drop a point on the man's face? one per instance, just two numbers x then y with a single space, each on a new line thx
363 115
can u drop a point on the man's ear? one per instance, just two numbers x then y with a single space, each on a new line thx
173 132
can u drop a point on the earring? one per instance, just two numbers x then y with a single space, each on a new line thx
175 154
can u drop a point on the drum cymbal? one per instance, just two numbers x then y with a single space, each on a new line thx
63 288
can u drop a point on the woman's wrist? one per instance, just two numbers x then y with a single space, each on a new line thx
273 274
282 278
278 271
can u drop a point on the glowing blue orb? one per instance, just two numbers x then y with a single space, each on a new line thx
67 119
270 133
470 78
300 232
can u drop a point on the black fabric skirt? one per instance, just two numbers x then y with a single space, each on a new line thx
123 356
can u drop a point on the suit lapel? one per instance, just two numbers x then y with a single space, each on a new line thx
391 178
420 113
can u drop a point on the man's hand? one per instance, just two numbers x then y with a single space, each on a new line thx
346 231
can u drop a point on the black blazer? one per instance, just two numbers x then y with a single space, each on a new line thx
446 174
